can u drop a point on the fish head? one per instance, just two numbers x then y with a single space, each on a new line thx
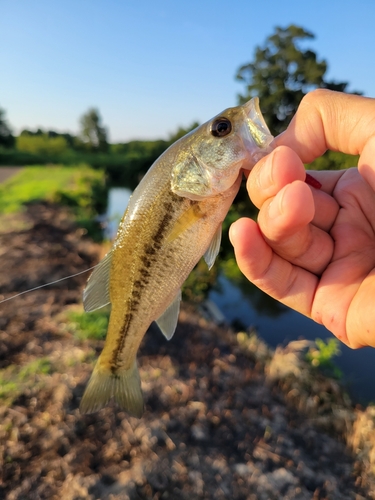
210 158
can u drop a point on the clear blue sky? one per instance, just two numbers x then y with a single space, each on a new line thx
152 65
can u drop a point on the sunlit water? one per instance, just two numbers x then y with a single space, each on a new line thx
275 323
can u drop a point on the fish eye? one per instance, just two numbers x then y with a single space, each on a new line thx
221 127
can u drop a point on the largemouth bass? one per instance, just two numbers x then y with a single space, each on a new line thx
174 217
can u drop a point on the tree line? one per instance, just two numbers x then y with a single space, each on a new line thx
92 136
280 73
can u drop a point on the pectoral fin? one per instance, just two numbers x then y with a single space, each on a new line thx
168 320
186 220
96 293
213 249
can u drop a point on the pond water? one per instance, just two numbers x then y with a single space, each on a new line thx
277 324
273 322
118 199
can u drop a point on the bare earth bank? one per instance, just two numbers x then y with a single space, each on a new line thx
225 417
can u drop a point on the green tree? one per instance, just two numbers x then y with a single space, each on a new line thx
181 131
93 133
281 73
6 137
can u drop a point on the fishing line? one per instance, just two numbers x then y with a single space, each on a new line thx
48 284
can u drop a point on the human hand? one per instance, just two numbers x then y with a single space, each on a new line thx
314 250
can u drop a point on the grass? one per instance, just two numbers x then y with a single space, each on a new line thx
36 184
88 325
80 187
15 380
322 356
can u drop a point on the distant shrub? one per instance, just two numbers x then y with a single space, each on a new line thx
333 160
41 144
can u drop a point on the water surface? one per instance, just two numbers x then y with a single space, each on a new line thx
277 324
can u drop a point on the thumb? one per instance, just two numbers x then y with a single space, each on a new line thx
330 120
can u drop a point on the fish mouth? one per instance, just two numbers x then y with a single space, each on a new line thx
255 133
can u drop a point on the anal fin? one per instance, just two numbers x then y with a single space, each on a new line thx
167 322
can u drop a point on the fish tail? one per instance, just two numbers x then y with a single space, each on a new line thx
124 387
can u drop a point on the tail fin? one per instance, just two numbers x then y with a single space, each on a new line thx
124 387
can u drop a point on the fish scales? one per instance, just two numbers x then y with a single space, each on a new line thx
154 267
173 218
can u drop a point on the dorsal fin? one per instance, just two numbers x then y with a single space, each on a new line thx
96 293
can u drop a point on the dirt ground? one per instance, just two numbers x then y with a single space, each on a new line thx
214 427
6 172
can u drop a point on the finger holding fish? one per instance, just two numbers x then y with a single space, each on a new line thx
294 218
282 167
286 222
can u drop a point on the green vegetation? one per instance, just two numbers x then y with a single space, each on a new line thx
72 185
124 164
93 134
81 188
322 356
199 282
6 137
15 380
41 144
283 69
88 325
282 72
334 160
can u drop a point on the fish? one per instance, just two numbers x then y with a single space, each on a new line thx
174 217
